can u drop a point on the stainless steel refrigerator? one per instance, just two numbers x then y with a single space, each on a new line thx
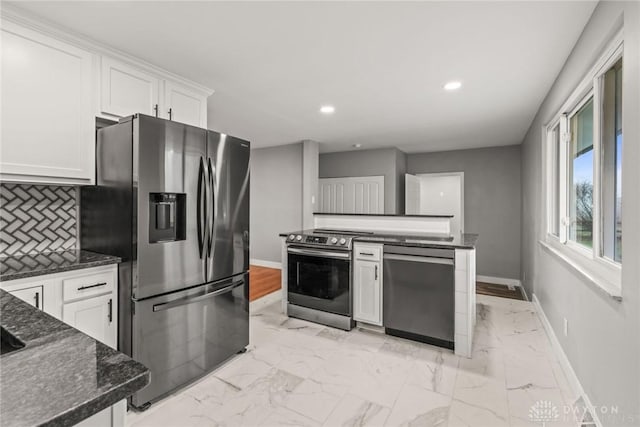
172 201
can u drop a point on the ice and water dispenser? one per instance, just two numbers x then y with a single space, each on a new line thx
167 217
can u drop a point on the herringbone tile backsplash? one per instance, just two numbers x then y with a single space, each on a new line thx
37 218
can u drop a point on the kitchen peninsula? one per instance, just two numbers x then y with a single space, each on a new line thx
401 275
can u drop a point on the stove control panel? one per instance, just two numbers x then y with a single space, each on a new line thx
316 239
320 240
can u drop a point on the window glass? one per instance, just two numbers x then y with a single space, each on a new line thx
611 176
581 176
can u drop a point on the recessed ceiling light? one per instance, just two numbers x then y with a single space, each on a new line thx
327 109
357 145
453 85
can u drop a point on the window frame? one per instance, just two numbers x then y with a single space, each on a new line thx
589 260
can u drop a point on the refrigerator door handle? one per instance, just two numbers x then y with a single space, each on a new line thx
212 217
201 206
189 300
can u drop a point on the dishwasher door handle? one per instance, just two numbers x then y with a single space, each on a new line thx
423 259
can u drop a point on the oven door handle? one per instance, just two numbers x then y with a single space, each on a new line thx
322 254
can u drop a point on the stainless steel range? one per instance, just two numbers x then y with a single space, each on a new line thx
319 277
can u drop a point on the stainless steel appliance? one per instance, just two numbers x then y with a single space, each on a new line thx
173 202
419 293
319 277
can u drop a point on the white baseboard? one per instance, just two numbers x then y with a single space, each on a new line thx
265 300
572 378
498 280
263 263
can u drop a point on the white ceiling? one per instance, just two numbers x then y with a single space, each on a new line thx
381 64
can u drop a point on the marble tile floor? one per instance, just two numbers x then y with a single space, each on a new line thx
297 373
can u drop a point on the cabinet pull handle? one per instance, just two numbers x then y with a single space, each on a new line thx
366 253
376 272
37 297
110 310
155 109
81 288
170 113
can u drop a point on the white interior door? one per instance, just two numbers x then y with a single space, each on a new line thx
412 195
363 195
443 194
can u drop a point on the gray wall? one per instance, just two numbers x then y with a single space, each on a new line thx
604 335
276 198
366 163
491 201
401 170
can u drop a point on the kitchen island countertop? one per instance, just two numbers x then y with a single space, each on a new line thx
61 376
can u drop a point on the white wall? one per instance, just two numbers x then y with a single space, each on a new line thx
441 195
603 341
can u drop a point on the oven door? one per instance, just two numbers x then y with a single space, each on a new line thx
320 279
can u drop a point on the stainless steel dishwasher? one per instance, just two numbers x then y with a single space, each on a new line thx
419 294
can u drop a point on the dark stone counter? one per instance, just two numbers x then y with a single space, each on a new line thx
21 266
462 241
61 376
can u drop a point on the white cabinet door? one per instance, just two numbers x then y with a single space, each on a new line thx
127 90
185 105
47 121
32 295
367 288
95 317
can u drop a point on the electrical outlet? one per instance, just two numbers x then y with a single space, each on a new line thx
566 327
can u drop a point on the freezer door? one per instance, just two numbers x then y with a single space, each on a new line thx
184 335
168 161
228 163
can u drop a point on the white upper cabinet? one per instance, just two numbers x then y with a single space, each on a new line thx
185 105
127 90
47 117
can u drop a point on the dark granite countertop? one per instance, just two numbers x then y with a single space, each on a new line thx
21 266
394 215
61 376
461 241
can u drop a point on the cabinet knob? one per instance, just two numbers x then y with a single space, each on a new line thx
170 113
155 110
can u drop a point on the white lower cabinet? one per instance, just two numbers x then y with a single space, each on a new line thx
87 300
367 284
93 316
31 295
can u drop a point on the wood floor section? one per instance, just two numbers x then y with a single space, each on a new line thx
266 280
499 291
263 281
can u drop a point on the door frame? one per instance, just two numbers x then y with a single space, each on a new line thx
459 174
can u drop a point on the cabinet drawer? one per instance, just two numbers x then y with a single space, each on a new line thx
88 286
368 252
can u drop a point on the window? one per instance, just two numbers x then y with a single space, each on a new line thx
554 208
581 175
612 163
584 172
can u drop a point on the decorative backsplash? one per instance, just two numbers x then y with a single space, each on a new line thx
37 218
